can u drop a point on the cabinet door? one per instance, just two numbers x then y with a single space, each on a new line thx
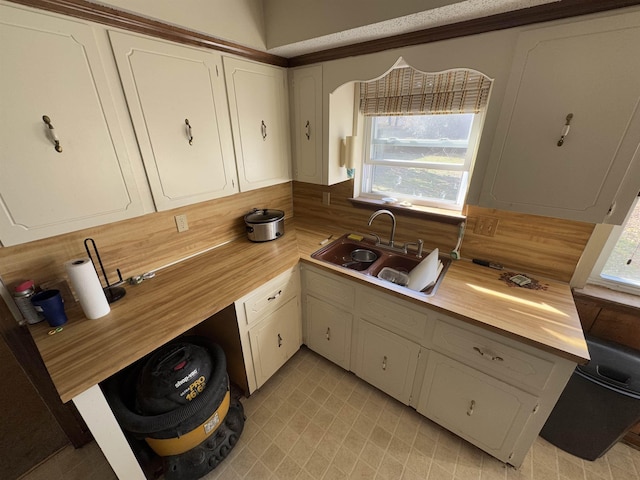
51 66
176 96
485 411
307 128
328 331
275 339
260 123
386 360
589 70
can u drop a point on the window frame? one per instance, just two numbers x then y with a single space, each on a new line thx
595 277
466 168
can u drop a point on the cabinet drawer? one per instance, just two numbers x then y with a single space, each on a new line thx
393 315
335 291
269 297
487 412
492 355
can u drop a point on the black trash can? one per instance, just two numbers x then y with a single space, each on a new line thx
600 403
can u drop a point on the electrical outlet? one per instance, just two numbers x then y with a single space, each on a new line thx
486 226
326 198
181 223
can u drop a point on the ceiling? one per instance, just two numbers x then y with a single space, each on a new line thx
297 27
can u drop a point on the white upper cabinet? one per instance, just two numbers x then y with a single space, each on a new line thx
177 99
51 67
307 124
587 71
260 122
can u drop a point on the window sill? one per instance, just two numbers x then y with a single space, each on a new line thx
609 296
427 213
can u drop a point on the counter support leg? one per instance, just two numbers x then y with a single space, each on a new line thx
95 411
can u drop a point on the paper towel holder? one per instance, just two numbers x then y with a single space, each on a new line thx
112 292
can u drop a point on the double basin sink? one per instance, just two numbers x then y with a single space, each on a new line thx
339 253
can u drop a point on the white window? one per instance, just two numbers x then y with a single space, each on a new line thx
421 135
618 266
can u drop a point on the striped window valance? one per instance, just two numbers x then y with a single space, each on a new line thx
406 91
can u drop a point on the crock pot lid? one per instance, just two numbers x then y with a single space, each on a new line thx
264 216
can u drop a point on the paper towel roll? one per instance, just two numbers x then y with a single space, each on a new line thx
85 282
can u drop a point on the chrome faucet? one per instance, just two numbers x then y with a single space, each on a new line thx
393 223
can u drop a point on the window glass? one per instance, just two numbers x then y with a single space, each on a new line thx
623 264
420 159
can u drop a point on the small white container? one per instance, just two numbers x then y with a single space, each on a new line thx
394 276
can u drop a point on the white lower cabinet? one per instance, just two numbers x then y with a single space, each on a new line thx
491 390
275 339
386 360
328 331
479 408
270 326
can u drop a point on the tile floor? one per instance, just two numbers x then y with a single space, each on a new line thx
313 420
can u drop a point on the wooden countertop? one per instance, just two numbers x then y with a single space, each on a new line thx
545 318
87 352
179 297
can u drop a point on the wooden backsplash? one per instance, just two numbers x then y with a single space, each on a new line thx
527 243
144 243
532 244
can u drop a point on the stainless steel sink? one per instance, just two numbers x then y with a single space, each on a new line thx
339 252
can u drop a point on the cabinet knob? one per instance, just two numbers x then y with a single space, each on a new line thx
52 134
189 132
565 130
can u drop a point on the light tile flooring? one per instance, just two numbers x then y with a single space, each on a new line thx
313 420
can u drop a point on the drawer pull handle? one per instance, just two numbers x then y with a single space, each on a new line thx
308 130
189 132
494 358
279 341
263 130
565 130
471 407
384 362
273 297
328 334
52 134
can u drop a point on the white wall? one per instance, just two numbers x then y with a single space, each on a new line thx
239 21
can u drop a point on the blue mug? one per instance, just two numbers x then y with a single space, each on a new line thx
49 303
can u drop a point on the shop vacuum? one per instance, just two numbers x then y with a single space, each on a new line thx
178 399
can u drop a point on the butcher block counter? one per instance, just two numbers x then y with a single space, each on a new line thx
87 352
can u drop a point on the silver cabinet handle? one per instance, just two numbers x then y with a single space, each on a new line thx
273 297
189 132
52 133
307 128
263 130
488 355
471 407
384 362
279 341
565 130
328 334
